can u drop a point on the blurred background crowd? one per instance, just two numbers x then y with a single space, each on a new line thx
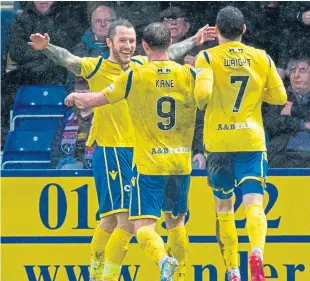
281 28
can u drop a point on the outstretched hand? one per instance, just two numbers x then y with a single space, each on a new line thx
69 100
206 33
79 100
38 41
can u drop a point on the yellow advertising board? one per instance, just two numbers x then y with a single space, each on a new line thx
48 220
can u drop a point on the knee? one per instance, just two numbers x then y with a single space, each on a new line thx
124 223
108 223
224 205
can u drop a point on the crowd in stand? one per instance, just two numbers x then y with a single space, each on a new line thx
281 28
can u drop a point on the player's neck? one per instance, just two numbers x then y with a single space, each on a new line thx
223 40
114 60
158 55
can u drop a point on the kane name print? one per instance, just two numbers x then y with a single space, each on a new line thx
164 84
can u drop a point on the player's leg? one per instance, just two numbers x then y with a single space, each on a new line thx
147 195
221 179
98 244
107 223
120 172
117 247
251 169
175 208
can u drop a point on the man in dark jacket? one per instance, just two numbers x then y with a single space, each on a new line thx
59 20
94 40
288 128
42 17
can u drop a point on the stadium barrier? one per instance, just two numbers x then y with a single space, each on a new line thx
48 219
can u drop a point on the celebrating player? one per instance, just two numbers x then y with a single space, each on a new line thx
162 109
232 81
113 134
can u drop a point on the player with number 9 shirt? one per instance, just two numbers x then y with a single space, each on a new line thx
160 97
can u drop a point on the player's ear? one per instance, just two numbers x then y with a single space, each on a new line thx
146 47
170 43
244 29
109 42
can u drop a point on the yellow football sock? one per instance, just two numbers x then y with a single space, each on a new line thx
227 238
256 225
115 253
177 247
97 246
151 243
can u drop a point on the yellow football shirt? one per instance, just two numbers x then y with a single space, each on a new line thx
111 124
232 80
163 112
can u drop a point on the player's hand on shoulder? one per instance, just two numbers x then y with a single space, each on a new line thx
39 41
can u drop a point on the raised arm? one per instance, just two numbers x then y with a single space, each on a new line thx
58 55
204 80
86 100
178 50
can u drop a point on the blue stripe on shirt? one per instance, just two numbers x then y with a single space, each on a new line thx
96 69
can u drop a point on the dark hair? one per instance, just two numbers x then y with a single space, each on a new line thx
115 24
230 22
157 36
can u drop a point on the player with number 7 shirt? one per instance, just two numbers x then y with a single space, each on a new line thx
232 82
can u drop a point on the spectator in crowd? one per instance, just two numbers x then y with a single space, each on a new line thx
65 26
42 17
69 149
179 26
94 40
139 13
295 17
288 127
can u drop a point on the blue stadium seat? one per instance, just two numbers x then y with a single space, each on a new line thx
37 122
39 100
38 106
27 150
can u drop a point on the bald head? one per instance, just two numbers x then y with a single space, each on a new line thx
101 19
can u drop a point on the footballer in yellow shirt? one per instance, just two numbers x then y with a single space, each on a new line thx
232 82
113 134
162 108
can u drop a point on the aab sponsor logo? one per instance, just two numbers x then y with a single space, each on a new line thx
208 272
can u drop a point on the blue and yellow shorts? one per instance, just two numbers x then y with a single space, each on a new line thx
112 168
152 194
226 170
